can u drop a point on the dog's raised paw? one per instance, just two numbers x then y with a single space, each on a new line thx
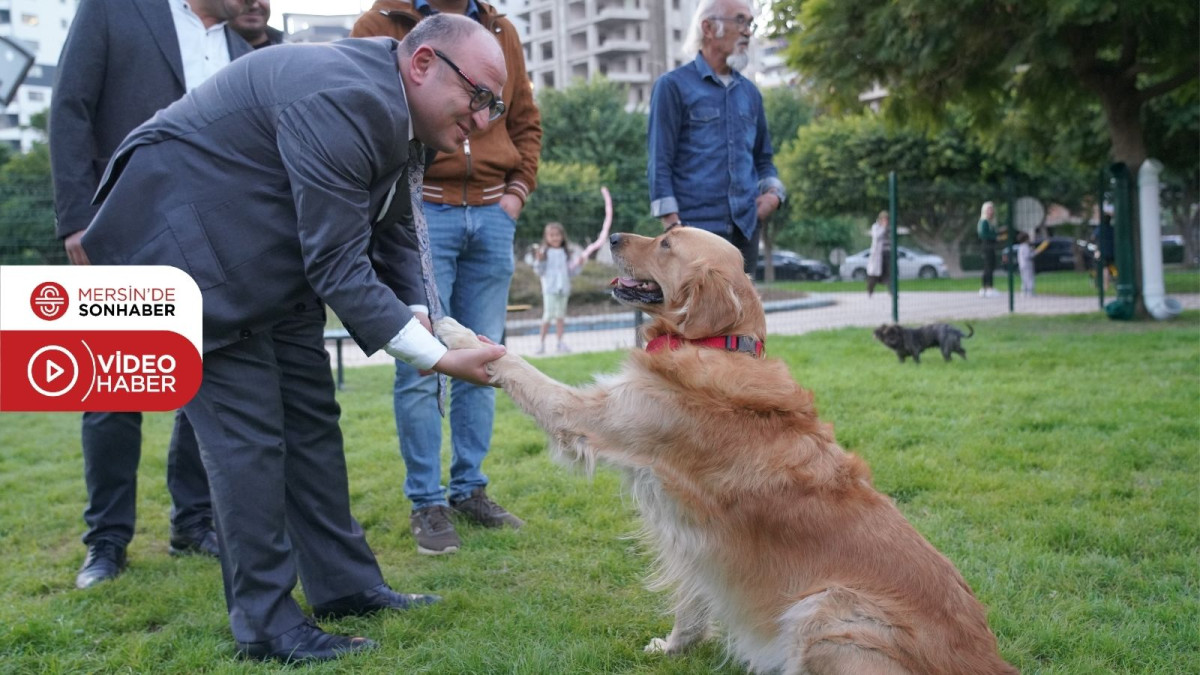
456 335
656 646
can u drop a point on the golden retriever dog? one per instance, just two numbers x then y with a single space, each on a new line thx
759 520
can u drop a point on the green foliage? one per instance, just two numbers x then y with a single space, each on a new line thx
1056 469
27 210
788 109
816 235
838 168
587 124
569 194
1054 59
41 121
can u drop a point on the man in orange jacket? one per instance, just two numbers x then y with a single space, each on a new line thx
472 199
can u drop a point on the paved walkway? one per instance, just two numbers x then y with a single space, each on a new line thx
821 312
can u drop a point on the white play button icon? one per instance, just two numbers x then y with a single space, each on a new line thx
53 370
43 371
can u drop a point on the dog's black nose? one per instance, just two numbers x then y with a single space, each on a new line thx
615 240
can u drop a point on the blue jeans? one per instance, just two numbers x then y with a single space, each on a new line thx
473 262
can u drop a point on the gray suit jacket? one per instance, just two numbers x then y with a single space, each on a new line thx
119 65
264 184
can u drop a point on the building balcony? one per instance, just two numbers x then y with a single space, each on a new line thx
622 46
619 14
627 77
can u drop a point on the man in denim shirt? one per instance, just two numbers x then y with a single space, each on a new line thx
710 153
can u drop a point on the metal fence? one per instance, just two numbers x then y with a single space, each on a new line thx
1065 280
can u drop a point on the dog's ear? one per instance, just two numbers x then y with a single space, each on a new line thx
710 302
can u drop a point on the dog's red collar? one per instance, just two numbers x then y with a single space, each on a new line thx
732 343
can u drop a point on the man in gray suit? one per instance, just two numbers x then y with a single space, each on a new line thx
124 60
268 185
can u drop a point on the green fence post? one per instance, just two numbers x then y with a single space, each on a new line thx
892 225
1122 308
1007 252
1099 265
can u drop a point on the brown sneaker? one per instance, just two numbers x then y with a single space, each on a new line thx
484 511
434 532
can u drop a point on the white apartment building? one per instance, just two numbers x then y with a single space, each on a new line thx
509 9
317 27
772 69
631 42
40 27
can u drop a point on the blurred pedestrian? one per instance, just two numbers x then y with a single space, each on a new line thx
880 259
122 61
555 265
252 25
988 235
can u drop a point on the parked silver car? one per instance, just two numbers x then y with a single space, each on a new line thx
913 264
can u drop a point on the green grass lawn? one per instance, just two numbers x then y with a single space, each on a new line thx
1176 279
1058 468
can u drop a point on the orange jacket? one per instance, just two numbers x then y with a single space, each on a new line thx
502 158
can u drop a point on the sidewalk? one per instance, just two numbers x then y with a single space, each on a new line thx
818 312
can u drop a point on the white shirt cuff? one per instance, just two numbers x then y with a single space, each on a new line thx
423 309
416 346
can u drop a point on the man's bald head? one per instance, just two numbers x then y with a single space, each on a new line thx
443 31
447 62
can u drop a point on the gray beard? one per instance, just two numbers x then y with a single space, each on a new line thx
738 61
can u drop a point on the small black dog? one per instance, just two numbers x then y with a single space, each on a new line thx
913 341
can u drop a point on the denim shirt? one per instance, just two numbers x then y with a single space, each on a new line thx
710 152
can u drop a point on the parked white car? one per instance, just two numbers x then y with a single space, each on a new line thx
913 264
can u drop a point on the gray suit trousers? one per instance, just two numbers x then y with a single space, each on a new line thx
267 421
112 448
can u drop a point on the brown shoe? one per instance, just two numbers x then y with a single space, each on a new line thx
478 508
434 532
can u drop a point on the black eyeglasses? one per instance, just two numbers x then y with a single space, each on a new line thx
482 98
741 21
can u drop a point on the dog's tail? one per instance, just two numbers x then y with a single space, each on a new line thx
970 328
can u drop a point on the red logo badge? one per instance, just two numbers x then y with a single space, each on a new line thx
49 301
99 338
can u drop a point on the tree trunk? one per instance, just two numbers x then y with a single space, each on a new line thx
1122 104
949 250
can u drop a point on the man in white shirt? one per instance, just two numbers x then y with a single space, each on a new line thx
123 60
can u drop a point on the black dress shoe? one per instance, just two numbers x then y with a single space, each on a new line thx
372 600
305 642
201 541
105 560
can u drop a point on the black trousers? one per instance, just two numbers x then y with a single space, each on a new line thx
112 450
885 274
267 422
747 245
989 262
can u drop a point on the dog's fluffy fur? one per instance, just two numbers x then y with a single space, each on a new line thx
912 341
758 518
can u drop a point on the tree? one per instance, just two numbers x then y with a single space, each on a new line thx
787 109
27 210
569 194
1053 58
587 124
1051 55
838 170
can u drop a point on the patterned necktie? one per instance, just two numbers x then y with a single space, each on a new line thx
416 179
